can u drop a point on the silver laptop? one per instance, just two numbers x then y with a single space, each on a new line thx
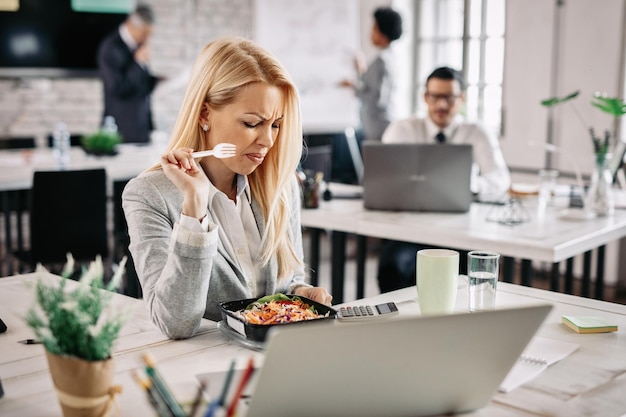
417 177
405 366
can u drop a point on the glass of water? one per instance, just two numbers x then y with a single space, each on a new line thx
482 271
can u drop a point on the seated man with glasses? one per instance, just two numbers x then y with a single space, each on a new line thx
444 97
490 180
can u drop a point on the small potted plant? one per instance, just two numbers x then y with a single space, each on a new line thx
613 106
599 196
101 143
77 328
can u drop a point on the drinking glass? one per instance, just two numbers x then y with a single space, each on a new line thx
547 184
482 271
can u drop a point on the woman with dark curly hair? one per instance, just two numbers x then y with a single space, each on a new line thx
376 82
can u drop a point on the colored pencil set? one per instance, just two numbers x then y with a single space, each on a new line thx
158 392
163 401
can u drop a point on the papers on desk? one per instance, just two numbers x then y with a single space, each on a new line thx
538 355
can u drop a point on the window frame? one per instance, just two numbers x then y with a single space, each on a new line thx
420 39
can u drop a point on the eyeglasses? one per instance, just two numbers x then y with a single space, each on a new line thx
448 98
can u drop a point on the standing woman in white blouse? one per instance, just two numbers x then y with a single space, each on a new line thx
208 230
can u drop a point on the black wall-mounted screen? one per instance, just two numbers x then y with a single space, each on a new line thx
46 38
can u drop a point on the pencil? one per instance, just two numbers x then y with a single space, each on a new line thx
227 382
161 388
219 402
29 342
157 402
196 402
245 378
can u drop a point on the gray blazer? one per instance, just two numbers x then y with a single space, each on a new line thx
375 90
184 275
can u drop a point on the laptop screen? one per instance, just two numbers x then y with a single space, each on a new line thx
408 365
417 177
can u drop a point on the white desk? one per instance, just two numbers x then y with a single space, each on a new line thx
551 240
16 175
17 166
589 382
24 370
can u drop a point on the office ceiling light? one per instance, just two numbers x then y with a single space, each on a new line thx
9 5
102 6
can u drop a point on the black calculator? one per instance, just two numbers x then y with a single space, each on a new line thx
367 312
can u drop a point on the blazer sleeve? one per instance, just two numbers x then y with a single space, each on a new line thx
298 277
371 86
173 264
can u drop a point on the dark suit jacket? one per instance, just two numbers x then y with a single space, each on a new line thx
127 88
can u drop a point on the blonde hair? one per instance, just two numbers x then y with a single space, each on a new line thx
220 72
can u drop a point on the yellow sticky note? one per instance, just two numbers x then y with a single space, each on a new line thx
589 324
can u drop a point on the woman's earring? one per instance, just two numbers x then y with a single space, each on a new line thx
205 127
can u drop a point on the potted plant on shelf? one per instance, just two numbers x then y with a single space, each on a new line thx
101 143
599 199
77 328
105 140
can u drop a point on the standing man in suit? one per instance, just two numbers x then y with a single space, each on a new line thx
490 178
123 63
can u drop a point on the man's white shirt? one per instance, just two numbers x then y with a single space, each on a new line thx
490 175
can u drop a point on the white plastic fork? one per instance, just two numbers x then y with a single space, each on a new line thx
221 150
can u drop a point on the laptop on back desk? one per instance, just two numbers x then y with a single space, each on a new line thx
405 366
417 177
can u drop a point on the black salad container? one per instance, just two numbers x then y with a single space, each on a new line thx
258 332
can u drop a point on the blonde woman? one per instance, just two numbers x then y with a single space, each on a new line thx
208 230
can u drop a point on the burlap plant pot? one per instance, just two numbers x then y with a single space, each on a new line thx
84 388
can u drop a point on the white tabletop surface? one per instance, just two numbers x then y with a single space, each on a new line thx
589 382
549 237
17 166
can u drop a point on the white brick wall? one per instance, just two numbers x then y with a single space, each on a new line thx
31 107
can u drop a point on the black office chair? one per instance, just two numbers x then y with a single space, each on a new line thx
16 142
75 140
342 167
121 240
319 159
68 214
14 206
13 203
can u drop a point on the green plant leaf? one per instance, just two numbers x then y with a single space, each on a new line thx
101 141
79 322
612 105
556 100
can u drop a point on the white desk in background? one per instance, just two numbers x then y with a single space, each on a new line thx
16 177
552 240
17 166
589 382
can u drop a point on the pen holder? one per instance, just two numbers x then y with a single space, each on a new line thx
84 388
311 189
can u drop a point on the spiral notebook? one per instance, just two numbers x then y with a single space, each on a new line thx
536 358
